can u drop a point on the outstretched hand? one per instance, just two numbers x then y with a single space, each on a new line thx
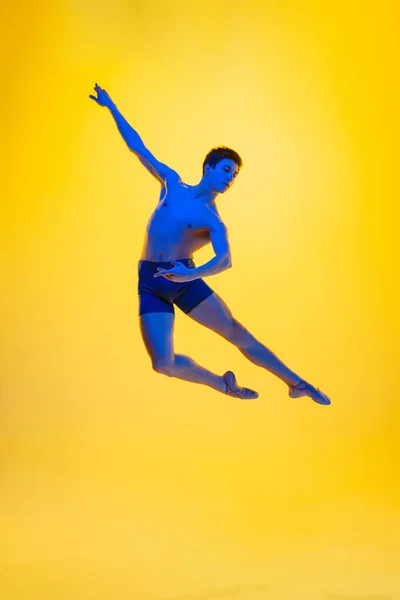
179 273
102 98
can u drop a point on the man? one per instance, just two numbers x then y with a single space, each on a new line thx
186 219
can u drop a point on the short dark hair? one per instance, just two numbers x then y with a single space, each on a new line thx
219 153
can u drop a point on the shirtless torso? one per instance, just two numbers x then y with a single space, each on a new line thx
180 224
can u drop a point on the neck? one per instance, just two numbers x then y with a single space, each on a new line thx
204 193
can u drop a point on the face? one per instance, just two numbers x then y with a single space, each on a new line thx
223 175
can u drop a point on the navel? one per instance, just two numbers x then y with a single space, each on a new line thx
189 226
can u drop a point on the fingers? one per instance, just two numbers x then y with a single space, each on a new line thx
165 274
102 96
98 89
176 263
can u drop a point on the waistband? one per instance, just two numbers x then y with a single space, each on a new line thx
150 264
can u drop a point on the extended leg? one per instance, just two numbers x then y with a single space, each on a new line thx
260 355
214 314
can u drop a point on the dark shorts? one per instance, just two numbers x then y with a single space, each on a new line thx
157 294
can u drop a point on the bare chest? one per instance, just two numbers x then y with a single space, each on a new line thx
179 214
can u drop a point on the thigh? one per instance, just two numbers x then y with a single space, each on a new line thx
157 332
214 314
192 294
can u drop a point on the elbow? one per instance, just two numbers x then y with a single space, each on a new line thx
135 149
227 261
136 146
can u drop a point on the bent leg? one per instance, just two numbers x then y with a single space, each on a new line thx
214 314
157 333
187 369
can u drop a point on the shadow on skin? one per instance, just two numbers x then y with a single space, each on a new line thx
228 592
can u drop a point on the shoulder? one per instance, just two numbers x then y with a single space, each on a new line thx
173 182
171 178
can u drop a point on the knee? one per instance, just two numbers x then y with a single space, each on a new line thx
179 364
163 367
239 335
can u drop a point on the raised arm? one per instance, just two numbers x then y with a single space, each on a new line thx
133 140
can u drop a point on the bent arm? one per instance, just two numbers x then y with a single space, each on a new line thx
222 259
135 144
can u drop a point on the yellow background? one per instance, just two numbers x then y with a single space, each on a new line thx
117 482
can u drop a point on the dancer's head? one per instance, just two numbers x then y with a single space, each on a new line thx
222 164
